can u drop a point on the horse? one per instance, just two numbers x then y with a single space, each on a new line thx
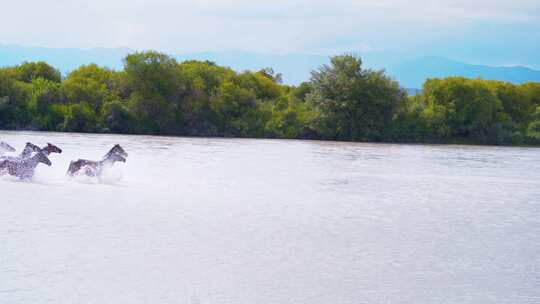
24 168
95 168
4 147
30 148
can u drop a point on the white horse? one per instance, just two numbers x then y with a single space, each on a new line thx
95 168
23 168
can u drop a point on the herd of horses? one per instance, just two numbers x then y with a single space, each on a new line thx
24 164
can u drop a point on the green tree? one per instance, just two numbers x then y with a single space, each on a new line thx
80 117
232 105
91 84
117 118
514 101
44 94
155 97
463 108
292 118
354 103
29 71
201 81
533 128
14 97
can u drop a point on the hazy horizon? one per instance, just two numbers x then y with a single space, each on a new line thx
295 68
407 55
493 33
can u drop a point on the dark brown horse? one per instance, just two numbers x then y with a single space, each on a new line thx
95 168
23 168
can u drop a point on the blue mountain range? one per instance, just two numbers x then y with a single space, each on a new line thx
410 71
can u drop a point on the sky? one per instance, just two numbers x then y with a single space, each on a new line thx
492 32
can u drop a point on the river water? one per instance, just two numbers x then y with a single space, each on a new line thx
198 220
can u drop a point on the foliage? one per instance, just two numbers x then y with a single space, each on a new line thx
91 84
154 94
29 71
44 95
117 118
354 103
80 117
14 96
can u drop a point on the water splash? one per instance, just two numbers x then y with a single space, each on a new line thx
109 175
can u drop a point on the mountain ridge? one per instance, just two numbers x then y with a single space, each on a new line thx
422 68
410 71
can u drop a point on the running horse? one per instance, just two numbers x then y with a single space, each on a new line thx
95 168
47 150
4 147
23 168
30 148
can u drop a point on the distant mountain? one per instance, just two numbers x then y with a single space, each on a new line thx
413 73
63 59
295 68
409 71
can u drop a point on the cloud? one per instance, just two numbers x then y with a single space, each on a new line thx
279 26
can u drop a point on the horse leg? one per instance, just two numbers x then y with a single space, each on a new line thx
3 167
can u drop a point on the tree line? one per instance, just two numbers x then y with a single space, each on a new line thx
155 94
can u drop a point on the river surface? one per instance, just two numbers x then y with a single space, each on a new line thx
198 220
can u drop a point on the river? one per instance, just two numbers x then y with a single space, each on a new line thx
205 220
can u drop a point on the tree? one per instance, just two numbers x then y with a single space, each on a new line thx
200 82
44 94
117 118
29 71
291 118
14 97
354 103
232 105
155 92
342 100
514 101
533 128
91 84
461 108
80 117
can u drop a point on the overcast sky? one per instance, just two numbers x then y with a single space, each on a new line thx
500 32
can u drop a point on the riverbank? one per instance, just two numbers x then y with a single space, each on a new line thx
135 135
